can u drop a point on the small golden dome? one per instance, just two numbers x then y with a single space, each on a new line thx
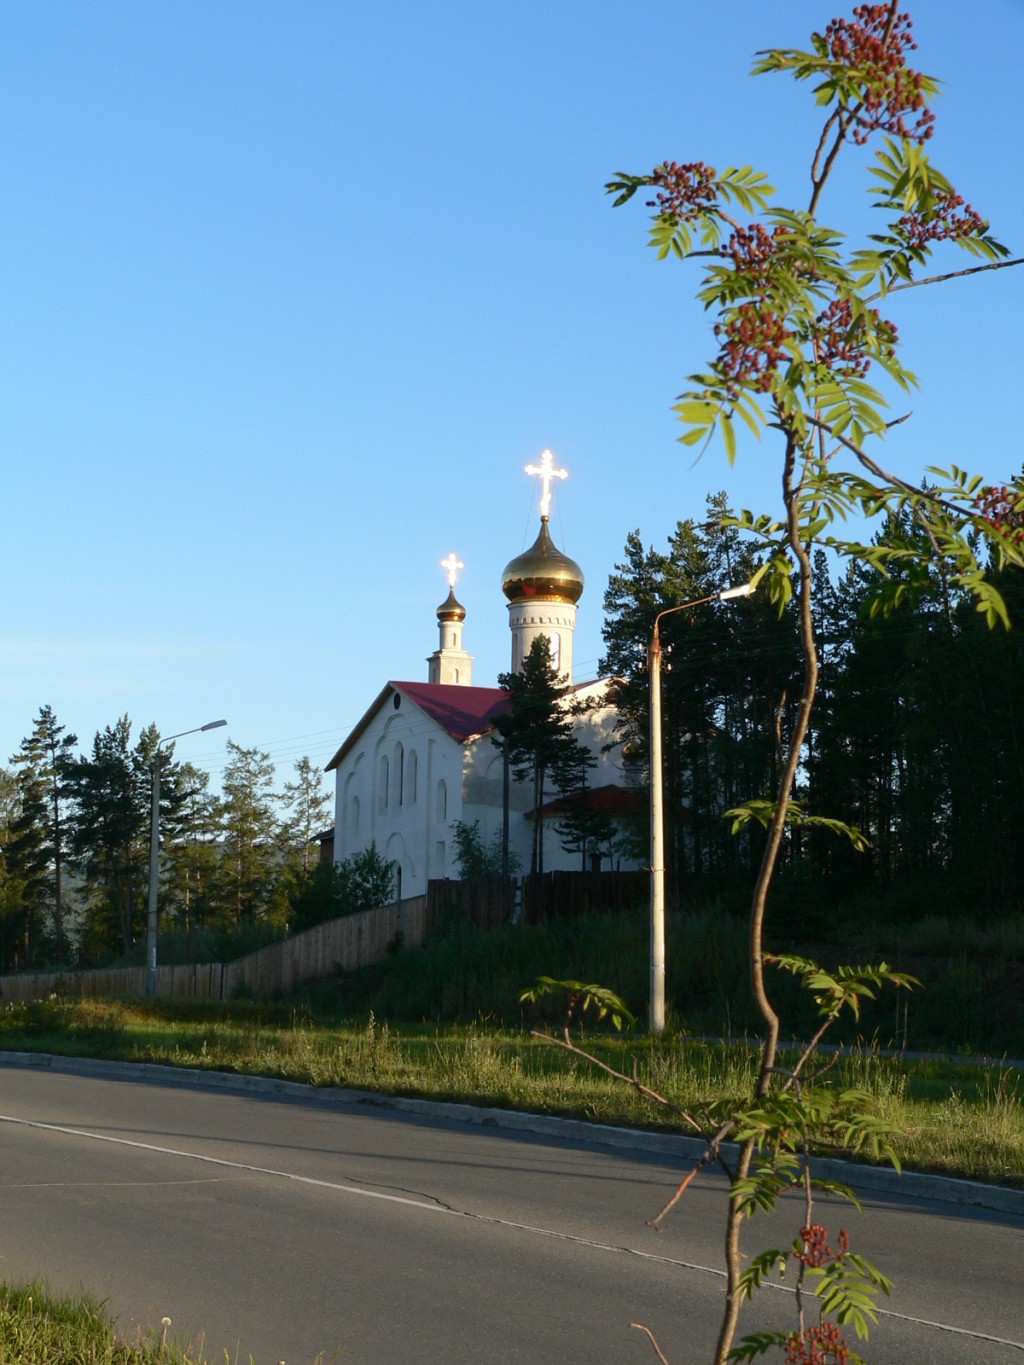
451 609
542 572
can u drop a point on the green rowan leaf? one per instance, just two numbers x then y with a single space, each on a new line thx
624 186
728 437
756 1344
694 436
584 996
697 412
747 187
988 600
763 1266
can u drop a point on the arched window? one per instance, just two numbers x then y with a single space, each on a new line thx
411 774
382 788
399 775
348 813
442 800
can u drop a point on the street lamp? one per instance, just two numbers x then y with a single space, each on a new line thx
657 987
154 851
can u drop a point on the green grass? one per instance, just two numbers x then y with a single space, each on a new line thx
971 999
956 1118
445 1021
38 1328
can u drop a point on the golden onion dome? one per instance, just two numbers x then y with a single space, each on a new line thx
542 572
451 609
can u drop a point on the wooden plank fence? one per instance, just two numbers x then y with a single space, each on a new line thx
351 942
567 895
487 902
340 944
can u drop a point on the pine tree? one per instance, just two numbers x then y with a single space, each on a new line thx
110 835
308 810
190 846
29 871
39 835
581 828
543 748
726 688
12 887
250 829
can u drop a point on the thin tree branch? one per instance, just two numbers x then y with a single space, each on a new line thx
650 1337
793 1072
917 493
712 1151
940 279
818 178
873 467
569 1046
677 1194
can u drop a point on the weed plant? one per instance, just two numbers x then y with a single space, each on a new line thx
38 1328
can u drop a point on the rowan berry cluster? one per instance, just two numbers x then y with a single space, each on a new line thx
997 507
816 1252
684 191
821 1345
942 223
752 344
752 251
842 342
892 99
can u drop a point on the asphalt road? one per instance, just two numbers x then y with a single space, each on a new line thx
287 1228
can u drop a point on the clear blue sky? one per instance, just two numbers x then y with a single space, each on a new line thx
293 291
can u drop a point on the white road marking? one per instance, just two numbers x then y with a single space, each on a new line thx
429 1207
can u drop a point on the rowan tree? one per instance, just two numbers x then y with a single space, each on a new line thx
803 322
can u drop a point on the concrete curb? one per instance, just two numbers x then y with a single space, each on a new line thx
862 1179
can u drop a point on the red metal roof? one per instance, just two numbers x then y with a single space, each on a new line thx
461 712
608 800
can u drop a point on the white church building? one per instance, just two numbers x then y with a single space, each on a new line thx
422 757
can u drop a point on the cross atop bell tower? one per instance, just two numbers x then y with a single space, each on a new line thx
543 585
546 471
450 663
451 565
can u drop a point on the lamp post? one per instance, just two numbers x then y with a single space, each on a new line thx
154 851
657 983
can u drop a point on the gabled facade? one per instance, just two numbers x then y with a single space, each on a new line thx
423 756
401 775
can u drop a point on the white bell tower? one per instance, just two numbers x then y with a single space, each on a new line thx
450 663
543 586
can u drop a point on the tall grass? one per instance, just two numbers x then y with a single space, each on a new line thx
954 1117
971 1001
39 1328
445 1020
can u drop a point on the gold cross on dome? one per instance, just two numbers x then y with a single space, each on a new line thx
452 565
546 471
